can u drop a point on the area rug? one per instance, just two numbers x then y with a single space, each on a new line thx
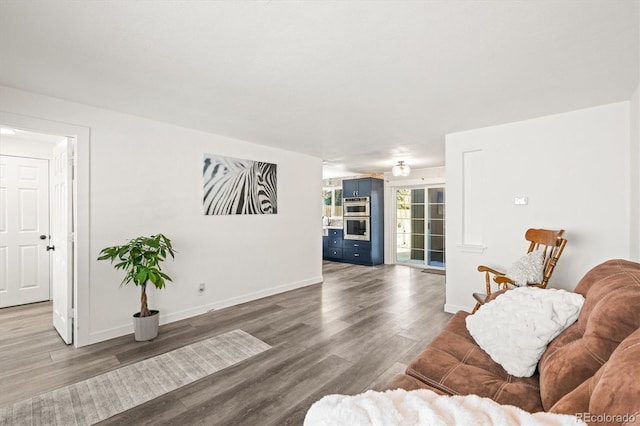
103 396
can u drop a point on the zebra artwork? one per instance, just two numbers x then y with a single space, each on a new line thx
234 186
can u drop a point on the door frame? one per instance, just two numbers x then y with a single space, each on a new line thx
81 250
391 216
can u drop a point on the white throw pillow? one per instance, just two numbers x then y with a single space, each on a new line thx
528 269
515 328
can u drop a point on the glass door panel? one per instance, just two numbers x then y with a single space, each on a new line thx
420 226
436 252
410 221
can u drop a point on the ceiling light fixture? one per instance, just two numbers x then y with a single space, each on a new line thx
5 131
401 169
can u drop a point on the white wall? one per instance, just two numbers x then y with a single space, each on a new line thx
574 169
34 149
634 159
146 177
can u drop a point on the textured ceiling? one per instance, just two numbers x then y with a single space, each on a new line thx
360 84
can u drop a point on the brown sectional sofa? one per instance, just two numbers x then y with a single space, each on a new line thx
591 369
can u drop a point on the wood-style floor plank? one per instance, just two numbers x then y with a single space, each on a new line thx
351 333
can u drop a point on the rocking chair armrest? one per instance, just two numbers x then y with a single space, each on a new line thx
537 285
482 268
504 280
495 294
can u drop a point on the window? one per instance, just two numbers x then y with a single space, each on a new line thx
332 202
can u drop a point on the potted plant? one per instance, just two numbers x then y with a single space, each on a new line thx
140 258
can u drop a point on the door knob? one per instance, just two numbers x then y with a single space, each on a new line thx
51 248
43 237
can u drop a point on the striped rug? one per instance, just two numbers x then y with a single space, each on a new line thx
103 396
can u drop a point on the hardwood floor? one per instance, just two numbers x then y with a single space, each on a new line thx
351 333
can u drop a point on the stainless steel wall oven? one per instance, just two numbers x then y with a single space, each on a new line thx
356 206
357 228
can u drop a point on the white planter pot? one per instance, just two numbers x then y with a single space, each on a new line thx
146 328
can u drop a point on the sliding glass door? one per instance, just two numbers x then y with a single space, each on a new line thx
420 226
435 233
410 222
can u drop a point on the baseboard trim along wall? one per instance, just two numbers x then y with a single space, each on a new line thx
452 309
111 333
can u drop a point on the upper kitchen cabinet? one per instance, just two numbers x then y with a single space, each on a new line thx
356 187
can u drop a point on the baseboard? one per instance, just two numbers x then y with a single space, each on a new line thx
112 333
188 313
265 293
452 309
198 310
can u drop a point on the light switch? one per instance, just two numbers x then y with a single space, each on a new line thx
521 201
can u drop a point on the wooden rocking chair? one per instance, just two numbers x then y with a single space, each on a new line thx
552 244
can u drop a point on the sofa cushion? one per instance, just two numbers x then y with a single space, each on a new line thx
406 382
614 391
611 312
455 364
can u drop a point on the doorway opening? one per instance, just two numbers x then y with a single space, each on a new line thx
36 230
79 254
420 226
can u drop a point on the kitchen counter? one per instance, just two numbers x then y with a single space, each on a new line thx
325 229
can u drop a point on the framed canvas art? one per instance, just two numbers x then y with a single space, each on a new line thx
236 186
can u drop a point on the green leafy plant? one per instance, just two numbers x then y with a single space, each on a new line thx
140 258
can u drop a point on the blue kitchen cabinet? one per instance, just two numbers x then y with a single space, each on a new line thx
361 252
333 248
356 251
357 187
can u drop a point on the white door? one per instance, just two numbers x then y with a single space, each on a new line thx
24 230
61 239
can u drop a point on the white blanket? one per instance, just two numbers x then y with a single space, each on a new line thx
515 328
423 407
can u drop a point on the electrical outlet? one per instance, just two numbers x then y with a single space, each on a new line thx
201 289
